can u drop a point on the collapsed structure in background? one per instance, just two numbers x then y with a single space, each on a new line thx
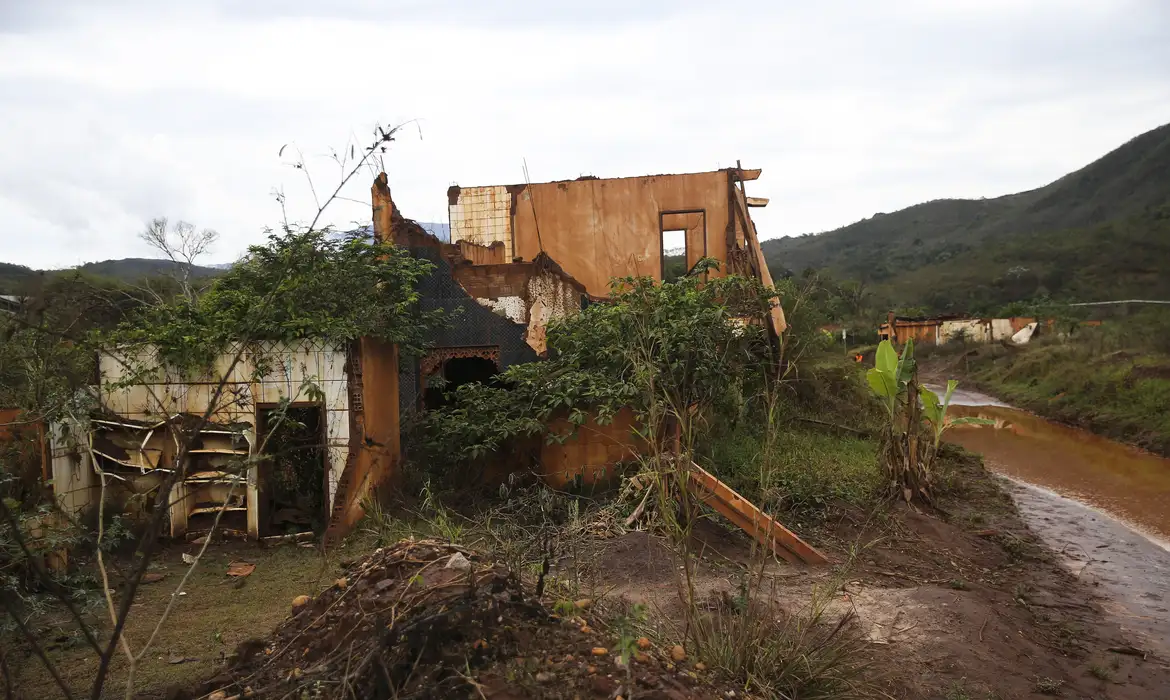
940 330
520 256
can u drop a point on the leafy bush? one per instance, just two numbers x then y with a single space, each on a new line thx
684 348
309 284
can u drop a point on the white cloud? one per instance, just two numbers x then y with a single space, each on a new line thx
116 112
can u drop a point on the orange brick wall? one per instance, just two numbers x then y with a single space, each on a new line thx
494 281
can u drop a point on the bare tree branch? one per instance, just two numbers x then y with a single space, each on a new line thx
182 244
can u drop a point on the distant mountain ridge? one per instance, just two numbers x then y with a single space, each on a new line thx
14 279
1102 230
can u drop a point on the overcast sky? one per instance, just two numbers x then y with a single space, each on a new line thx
116 111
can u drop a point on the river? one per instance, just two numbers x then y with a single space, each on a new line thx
1104 507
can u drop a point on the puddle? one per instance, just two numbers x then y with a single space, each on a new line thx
1127 483
1103 506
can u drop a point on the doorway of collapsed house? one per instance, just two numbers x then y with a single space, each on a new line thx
292 470
454 372
683 241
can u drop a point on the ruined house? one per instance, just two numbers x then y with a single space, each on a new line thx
521 255
343 439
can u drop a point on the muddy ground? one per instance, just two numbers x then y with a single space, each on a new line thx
960 604
984 609
964 603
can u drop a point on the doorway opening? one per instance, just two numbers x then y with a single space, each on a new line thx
674 255
292 471
454 373
684 242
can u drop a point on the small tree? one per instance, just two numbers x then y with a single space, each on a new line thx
908 454
182 244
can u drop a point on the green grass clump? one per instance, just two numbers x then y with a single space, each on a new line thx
801 470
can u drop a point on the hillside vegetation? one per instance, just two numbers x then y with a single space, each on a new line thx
14 278
1100 232
18 279
1113 379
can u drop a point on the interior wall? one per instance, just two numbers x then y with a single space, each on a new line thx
482 215
599 229
292 364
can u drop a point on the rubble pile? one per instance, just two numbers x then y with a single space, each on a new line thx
427 619
406 619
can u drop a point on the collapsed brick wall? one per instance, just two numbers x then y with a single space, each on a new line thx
471 324
494 281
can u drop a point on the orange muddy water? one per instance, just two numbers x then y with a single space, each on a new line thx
1104 507
1123 481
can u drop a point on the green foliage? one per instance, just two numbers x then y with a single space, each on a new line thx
934 411
803 471
692 341
44 354
891 374
629 628
300 285
909 460
39 373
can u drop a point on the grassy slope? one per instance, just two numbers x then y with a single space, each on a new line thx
1076 237
1123 394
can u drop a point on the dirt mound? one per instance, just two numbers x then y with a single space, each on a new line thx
423 619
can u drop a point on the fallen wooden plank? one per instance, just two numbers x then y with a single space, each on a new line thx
738 519
745 515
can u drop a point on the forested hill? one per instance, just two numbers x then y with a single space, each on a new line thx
1100 232
18 279
15 279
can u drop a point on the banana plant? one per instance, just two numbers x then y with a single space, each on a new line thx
891 374
908 461
935 411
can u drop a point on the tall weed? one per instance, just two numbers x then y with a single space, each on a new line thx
811 654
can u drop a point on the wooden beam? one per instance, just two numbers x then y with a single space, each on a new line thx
757 201
747 175
751 519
